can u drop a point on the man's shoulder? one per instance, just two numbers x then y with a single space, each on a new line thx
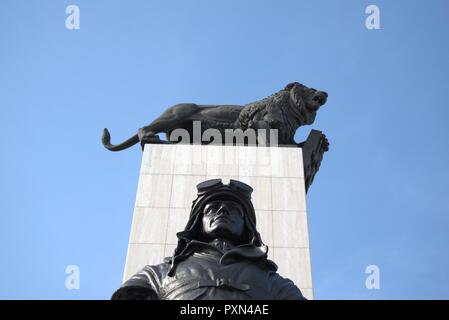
144 284
158 270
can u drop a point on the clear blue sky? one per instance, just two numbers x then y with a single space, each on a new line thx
381 196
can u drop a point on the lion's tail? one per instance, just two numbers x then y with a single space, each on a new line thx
106 140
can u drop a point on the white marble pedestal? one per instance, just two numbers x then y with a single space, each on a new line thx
167 186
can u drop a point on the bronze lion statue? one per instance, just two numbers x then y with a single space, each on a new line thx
287 110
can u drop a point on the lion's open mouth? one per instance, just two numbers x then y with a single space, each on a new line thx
313 106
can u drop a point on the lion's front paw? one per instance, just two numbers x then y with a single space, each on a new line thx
324 143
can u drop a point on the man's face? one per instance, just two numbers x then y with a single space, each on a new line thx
223 219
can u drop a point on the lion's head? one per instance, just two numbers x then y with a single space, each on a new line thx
305 101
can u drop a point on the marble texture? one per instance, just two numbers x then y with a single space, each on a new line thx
184 190
167 186
154 190
288 194
262 194
149 225
290 229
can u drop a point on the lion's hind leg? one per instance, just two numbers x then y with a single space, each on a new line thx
171 119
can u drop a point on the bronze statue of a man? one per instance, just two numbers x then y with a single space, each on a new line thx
219 256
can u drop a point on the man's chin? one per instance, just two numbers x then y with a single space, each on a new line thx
220 231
